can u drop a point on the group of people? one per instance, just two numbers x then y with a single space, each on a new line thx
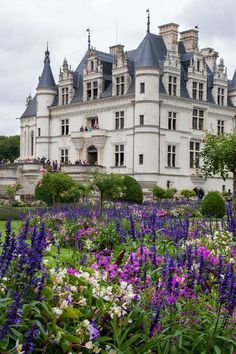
4 161
86 129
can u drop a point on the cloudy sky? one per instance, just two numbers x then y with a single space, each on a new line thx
26 26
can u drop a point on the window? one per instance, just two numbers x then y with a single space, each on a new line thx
65 95
197 91
32 143
120 85
194 154
198 65
64 155
140 159
142 87
172 120
198 119
220 96
141 119
95 90
65 127
39 131
91 65
92 90
168 184
119 155
119 120
172 85
171 155
220 127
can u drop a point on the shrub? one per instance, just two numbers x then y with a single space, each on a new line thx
158 192
52 186
169 193
213 205
133 191
188 193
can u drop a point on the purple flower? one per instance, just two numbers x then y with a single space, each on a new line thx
94 332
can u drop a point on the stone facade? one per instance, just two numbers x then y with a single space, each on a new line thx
145 110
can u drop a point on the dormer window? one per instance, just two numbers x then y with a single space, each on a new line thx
172 85
120 85
220 96
197 91
65 95
92 65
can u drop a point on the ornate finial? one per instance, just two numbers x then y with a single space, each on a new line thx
148 20
65 65
47 58
89 41
28 99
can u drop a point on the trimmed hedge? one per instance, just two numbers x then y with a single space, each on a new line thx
213 205
14 213
133 192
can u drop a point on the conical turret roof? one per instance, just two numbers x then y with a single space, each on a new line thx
232 84
46 80
151 51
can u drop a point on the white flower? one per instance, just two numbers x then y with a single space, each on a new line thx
89 345
82 302
19 347
57 311
64 304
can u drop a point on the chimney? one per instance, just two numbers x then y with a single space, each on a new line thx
210 57
190 39
115 49
170 32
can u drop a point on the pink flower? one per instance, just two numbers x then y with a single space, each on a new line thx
72 271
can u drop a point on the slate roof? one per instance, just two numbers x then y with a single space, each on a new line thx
46 80
30 109
150 51
232 84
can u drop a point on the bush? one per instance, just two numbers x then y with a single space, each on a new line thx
133 191
52 187
169 193
213 205
188 193
158 192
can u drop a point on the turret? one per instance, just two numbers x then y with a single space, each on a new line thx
46 92
232 90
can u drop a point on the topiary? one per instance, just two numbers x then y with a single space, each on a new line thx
213 205
133 191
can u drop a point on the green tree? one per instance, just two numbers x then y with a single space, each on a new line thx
53 186
76 191
219 158
133 191
108 185
9 147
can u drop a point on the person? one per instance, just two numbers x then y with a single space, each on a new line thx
200 193
82 128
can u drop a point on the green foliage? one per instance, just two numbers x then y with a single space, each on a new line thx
188 193
219 154
213 205
14 213
53 186
76 191
158 192
108 185
161 193
9 147
133 191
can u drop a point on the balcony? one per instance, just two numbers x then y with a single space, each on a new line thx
96 137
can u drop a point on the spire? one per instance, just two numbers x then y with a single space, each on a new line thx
89 41
148 20
47 58
46 80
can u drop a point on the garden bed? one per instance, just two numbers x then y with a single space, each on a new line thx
138 280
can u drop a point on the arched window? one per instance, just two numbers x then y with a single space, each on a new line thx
32 143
